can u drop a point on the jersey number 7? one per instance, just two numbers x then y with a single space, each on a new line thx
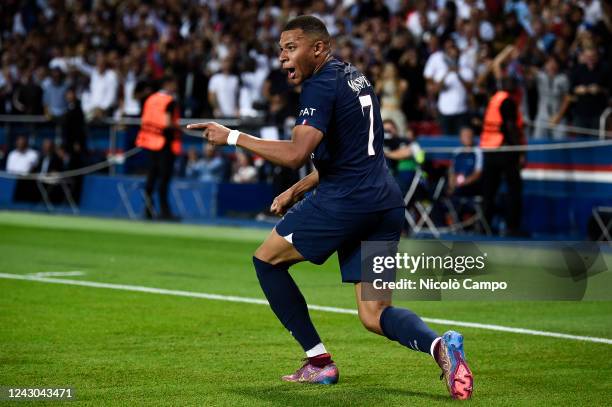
366 102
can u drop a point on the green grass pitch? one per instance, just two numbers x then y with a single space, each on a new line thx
133 349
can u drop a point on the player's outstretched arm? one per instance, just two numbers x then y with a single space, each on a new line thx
292 153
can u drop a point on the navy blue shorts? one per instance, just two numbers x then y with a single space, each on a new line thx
317 234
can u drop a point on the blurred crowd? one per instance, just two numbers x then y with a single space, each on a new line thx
434 64
225 54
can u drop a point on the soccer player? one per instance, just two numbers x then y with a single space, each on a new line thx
354 199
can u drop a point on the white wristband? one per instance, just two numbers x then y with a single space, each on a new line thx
232 138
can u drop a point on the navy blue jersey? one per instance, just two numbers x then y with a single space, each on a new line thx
466 163
353 176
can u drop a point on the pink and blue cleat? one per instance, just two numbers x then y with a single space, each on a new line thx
309 373
455 371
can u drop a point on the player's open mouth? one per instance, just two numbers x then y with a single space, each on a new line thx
291 73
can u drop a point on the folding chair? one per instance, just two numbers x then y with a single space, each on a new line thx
421 219
477 218
605 227
44 183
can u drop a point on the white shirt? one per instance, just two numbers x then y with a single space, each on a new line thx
413 22
486 31
464 9
21 162
592 12
245 175
131 106
452 98
225 88
103 88
434 63
102 92
248 94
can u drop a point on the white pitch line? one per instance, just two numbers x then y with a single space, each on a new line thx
231 298
58 274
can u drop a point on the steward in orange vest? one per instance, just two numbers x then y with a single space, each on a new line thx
154 123
160 135
494 126
503 126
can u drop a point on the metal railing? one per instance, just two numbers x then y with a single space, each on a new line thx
603 121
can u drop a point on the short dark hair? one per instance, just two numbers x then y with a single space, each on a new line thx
509 84
390 121
309 25
167 79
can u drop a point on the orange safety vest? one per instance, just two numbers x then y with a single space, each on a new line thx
492 136
153 123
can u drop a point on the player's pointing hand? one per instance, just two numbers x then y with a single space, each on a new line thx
213 132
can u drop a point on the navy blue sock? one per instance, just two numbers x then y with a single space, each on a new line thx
287 302
405 327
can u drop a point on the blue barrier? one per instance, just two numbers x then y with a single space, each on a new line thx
7 189
122 196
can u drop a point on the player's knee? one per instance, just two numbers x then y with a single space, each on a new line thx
265 255
275 250
269 256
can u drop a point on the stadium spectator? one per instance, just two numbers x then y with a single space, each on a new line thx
191 160
590 90
193 88
49 161
6 90
411 69
22 159
465 171
452 78
101 97
421 19
391 90
28 95
552 86
467 42
209 168
74 130
54 95
252 78
129 75
244 172
223 91
520 9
